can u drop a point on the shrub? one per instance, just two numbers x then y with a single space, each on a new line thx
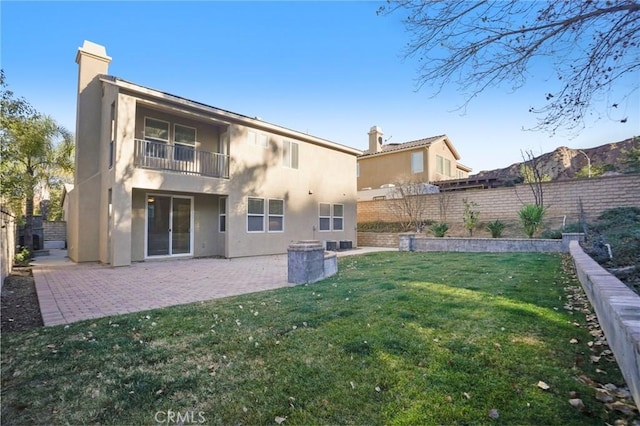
470 216
22 258
496 228
439 229
380 226
531 216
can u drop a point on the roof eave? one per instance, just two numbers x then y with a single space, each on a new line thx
227 115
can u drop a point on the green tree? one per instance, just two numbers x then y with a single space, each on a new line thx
33 150
590 46
631 159
470 215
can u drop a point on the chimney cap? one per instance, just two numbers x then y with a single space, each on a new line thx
92 49
375 129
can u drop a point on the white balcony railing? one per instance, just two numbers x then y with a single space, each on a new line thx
181 159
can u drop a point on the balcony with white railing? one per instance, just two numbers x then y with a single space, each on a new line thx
180 159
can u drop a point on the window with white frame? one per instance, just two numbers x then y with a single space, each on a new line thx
324 215
255 214
443 165
330 217
184 141
276 215
222 224
417 162
290 154
156 135
256 138
338 217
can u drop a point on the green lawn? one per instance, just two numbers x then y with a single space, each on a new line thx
393 338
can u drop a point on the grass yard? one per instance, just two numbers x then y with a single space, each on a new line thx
394 338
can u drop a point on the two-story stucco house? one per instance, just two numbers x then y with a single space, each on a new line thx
425 160
161 176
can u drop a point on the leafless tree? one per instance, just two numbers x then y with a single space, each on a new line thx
533 175
589 44
409 204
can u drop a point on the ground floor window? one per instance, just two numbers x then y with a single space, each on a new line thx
256 214
222 224
276 215
331 217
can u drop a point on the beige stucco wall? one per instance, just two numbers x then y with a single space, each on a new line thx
254 172
323 176
391 168
395 167
440 148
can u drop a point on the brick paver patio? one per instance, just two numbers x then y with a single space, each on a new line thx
70 292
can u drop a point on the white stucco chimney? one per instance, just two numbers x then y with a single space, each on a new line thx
375 139
92 60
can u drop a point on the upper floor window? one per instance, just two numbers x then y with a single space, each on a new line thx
417 162
156 132
184 141
443 165
256 138
290 154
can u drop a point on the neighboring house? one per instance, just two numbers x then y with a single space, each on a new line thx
425 160
161 176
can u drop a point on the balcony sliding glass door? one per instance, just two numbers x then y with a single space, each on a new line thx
169 224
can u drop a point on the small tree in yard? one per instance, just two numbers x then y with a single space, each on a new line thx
409 204
470 215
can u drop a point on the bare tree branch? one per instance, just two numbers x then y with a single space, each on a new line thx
590 45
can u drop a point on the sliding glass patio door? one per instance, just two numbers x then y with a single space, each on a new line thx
169 224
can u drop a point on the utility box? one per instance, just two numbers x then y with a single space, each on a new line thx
346 245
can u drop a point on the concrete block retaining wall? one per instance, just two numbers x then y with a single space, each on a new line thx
377 239
565 200
618 311
419 243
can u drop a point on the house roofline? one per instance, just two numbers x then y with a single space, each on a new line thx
463 167
227 115
427 143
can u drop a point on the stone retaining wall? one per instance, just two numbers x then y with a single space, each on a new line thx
618 311
419 243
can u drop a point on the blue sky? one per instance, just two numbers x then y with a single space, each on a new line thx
332 69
